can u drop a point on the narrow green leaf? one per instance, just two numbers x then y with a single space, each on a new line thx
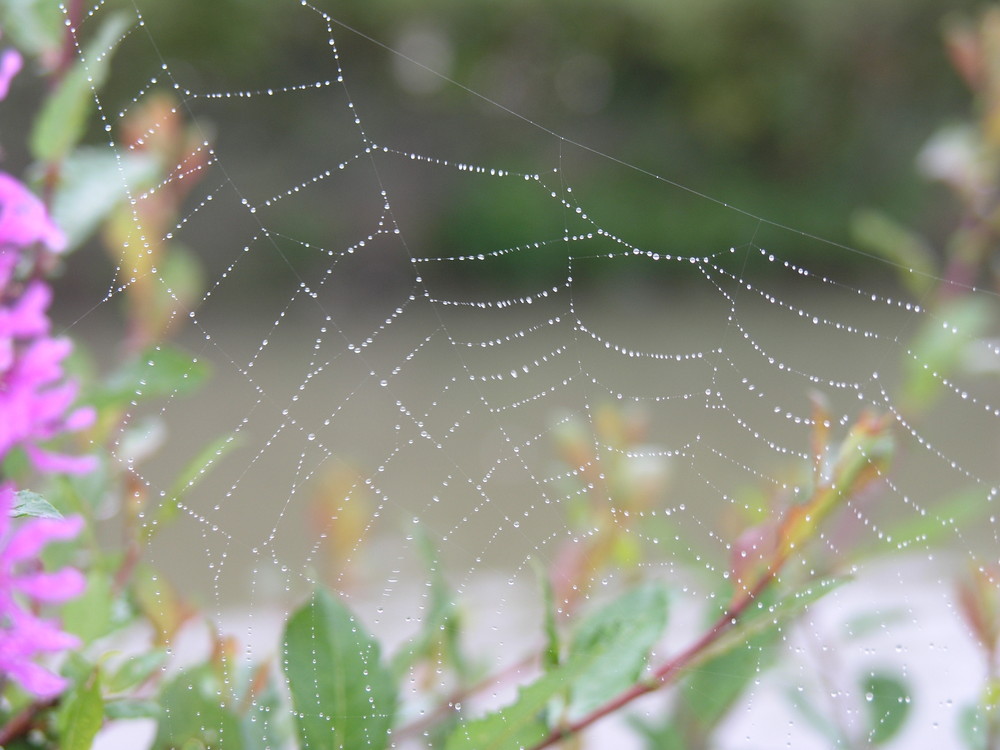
135 670
622 634
128 708
195 470
28 503
954 512
888 702
81 715
438 639
521 724
550 656
61 123
911 254
343 696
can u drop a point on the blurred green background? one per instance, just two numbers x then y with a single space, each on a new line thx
799 111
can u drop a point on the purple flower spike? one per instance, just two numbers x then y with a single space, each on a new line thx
23 635
10 65
23 218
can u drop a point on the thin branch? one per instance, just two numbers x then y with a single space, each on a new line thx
24 722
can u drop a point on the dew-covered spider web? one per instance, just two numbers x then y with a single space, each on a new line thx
379 389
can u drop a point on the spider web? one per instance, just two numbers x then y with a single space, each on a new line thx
382 386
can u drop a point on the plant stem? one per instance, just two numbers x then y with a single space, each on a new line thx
21 724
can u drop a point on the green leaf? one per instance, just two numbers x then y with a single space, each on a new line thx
89 616
621 634
128 708
157 372
973 727
913 257
91 184
136 670
61 123
31 504
191 713
954 512
938 352
888 702
344 697
189 477
711 690
81 715
521 724
438 639
550 656
601 641
36 26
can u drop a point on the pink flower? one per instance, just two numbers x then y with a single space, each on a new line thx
24 635
25 319
35 406
10 65
24 220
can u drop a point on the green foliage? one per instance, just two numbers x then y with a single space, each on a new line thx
888 702
157 372
343 696
90 186
438 640
135 670
81 715
63 120
522 724
192 713
91 615
36 26
617 639
32 504
938 353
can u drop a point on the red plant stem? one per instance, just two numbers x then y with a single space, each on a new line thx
669 672
74 15
21 724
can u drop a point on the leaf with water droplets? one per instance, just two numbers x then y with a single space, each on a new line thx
888 702
622 633
157 372
343 695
